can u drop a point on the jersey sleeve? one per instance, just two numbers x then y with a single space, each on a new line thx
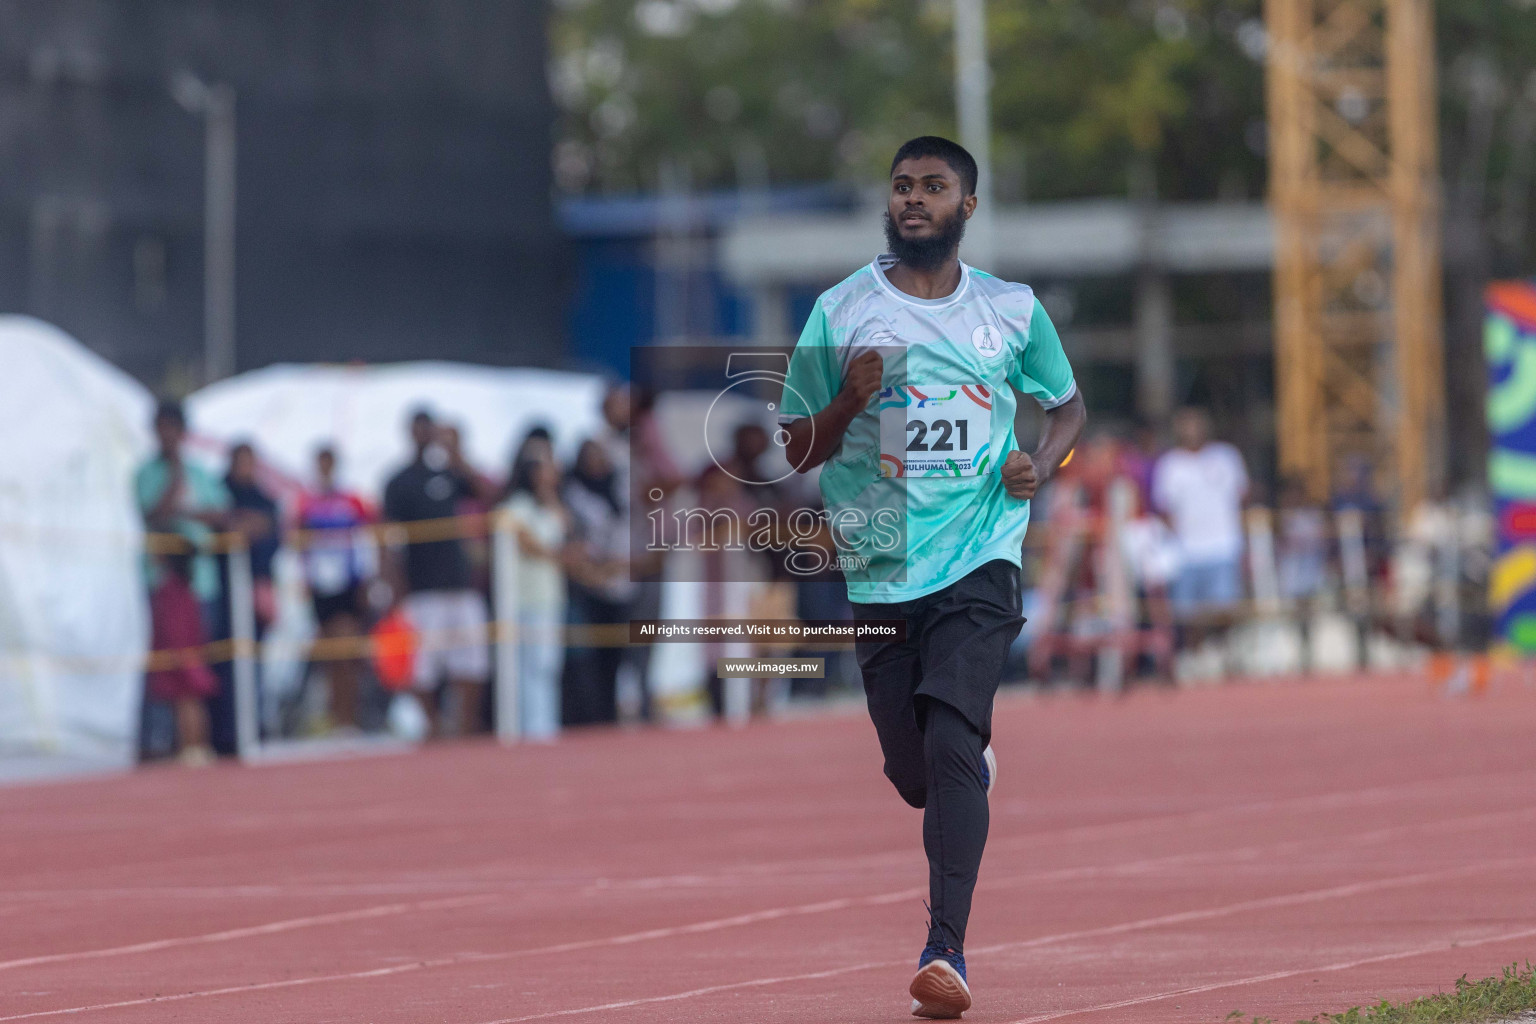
1042 370
813 378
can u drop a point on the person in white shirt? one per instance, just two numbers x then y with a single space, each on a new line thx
543 526
1200 487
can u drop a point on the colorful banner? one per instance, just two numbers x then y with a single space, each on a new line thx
1509 341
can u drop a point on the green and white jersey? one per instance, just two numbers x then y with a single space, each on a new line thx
925 456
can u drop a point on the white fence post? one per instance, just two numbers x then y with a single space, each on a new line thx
242 632
504 558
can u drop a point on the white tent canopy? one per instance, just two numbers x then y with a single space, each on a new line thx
289 411
73 614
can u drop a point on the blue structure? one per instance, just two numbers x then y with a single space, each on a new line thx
645 269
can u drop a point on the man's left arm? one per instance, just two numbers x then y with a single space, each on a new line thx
1023 474
1043 372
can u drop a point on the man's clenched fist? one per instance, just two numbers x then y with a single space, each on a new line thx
863 379
1019 477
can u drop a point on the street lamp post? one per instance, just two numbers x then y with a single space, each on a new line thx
216 103
972 85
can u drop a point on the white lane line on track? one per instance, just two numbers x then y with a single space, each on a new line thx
1265 903
1333 800
1258 851
1256 979
1311 896
826 906
625 1004
471 958
270 928
1337 892
1336 800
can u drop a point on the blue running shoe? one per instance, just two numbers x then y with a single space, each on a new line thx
938 990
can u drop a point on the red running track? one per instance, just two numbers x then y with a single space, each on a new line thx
1281 849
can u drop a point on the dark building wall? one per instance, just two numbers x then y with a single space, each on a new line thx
394 192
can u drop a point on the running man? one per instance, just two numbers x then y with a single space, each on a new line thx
944 346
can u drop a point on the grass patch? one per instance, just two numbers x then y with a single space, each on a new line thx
1473 1002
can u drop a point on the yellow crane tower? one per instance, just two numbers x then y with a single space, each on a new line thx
1354 188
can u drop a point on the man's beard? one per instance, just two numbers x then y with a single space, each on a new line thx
926 253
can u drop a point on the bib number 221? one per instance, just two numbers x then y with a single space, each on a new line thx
935 430
941 430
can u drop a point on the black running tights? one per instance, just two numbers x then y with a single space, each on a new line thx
955 816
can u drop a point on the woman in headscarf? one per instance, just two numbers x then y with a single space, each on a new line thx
542 525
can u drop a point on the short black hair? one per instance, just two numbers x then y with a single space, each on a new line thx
952 153
169 411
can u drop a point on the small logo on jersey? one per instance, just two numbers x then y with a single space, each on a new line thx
987 339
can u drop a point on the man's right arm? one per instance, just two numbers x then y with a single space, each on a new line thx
813 439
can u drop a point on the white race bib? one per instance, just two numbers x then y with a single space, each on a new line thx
935 430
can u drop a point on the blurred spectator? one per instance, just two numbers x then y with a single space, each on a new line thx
732 577
473 507
337 558
434 577
536 444
1200 486
1303 545
601 592
635 448
1151 554
644 475
543 525
1101 554
258 522
182 678
760 489
617 411
749 443
178 497
1138 459
1355 491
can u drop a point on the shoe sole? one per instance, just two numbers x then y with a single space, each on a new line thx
939 993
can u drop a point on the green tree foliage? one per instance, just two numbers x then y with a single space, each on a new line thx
1088 95
738 90
1487 56
810 91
